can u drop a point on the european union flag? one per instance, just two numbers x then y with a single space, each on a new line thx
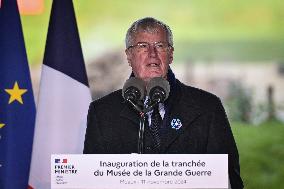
17 107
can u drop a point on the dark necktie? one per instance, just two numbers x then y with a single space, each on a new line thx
156 121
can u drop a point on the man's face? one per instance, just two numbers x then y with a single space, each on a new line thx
154 62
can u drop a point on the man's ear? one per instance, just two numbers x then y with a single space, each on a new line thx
171 55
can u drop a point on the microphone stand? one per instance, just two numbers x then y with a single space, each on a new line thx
142 113
141 133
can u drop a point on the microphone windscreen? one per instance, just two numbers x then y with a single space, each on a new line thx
134 82
161 83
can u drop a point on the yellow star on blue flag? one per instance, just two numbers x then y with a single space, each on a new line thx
16 93
2 125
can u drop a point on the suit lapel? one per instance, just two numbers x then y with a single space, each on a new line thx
129 113
183 109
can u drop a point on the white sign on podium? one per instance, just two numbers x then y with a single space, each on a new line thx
139 171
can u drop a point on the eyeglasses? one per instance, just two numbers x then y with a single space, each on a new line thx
144 47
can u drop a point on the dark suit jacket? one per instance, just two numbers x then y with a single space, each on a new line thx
113 128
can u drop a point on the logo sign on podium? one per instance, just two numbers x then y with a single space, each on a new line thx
124 171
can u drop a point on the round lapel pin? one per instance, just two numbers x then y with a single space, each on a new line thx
176 124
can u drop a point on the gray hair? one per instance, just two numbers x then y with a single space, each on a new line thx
147 24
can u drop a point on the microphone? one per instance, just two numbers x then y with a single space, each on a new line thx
158 89
134 90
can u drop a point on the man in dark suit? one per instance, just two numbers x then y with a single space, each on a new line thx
192 121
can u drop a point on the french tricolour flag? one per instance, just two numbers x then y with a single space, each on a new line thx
64 95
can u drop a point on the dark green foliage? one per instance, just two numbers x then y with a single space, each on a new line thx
261 151
239 102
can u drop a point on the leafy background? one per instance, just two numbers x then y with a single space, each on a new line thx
215 29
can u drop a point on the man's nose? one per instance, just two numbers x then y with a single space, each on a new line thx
152 51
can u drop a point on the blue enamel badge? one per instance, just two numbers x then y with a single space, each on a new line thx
176 124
